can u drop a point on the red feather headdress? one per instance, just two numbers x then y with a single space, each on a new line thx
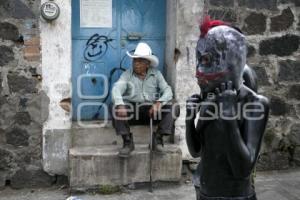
207 24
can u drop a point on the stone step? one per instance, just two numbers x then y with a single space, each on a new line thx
95 134
91 167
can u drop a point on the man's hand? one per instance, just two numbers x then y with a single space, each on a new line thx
227 99
121 111
192 106
209 107
155 109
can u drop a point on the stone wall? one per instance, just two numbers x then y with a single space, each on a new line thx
23 106
272 28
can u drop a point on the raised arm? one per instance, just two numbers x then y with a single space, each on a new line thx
243 142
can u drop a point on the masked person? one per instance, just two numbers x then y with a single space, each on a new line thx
141 93
231 116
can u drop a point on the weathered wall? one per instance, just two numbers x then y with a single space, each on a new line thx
56 43
272 28
23 105
185 84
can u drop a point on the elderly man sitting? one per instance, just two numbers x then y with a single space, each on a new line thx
141 93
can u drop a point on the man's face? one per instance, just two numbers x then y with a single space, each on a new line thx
140 65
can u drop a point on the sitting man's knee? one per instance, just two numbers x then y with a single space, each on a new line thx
174 107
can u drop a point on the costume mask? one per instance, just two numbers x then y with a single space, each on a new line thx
221 56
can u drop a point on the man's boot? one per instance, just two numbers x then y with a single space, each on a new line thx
158 143
128 146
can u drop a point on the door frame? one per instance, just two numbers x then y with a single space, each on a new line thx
56 42
169 69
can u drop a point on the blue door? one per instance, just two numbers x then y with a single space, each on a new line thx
99 47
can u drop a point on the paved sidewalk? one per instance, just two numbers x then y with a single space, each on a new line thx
275 185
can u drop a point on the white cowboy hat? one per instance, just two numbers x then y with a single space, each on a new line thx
143 50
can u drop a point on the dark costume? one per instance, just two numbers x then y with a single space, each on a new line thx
231 116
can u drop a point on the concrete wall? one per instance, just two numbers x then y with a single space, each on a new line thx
170 65
56 44
189 13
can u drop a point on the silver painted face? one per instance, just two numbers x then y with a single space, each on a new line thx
221 56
